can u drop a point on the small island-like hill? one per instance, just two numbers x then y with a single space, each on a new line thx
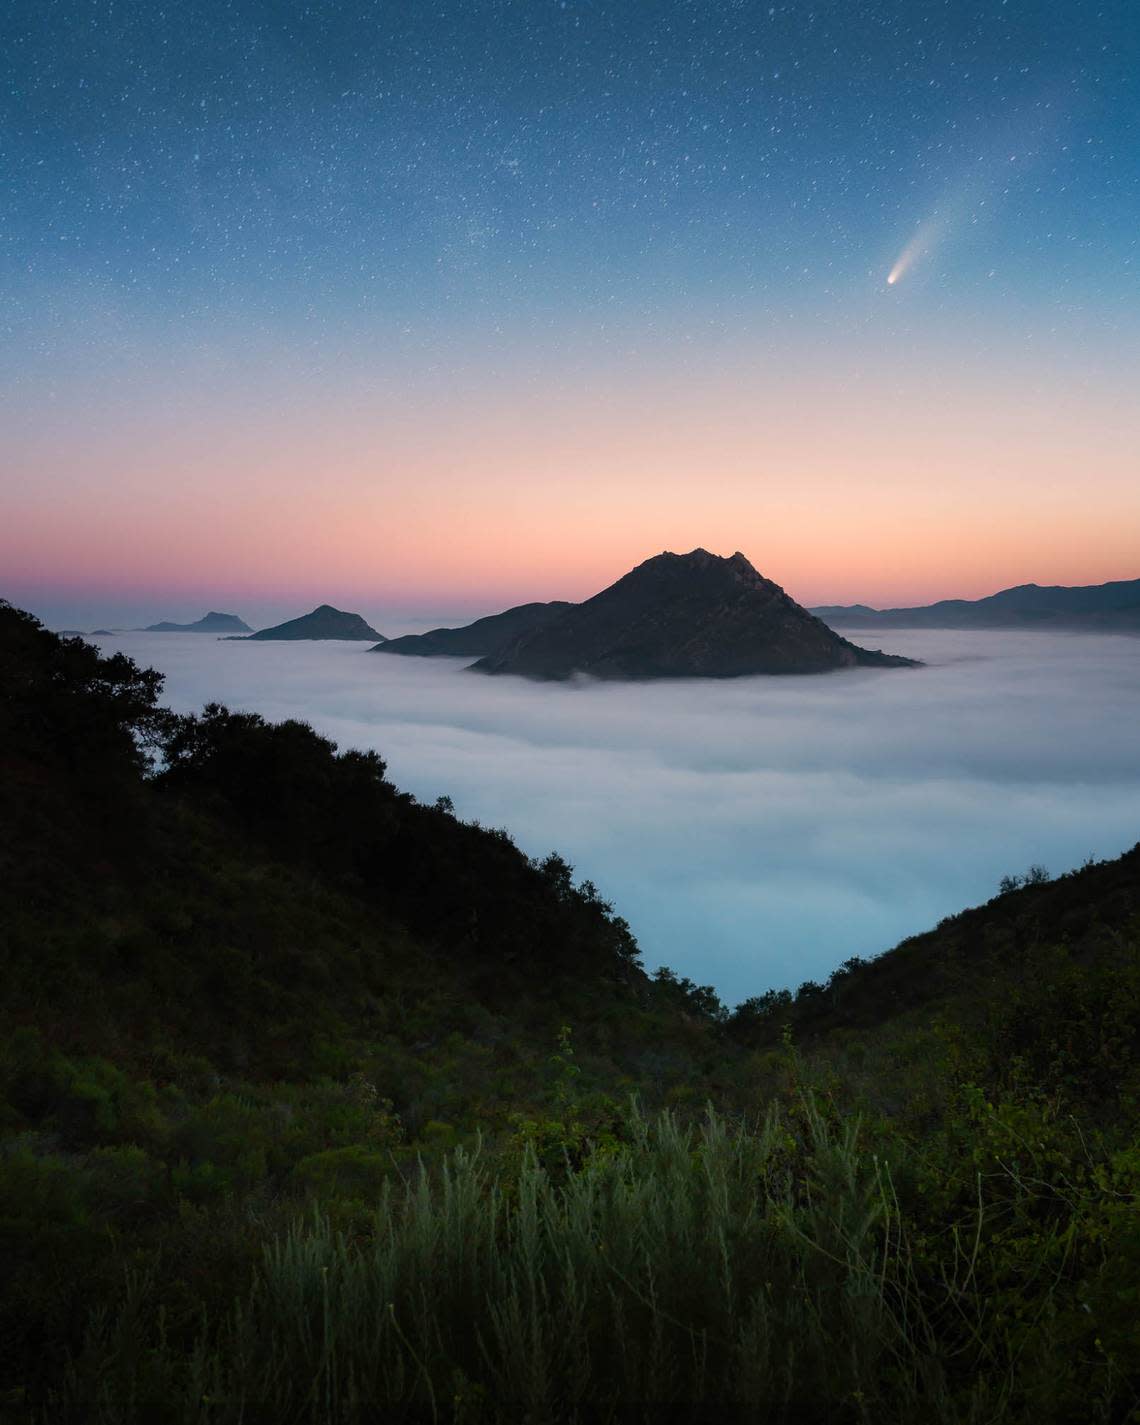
693 615
324 622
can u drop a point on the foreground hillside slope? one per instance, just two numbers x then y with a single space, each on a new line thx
315 1104
684 616
184 864
1089 917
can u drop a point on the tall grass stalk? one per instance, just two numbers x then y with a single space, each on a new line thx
707 1267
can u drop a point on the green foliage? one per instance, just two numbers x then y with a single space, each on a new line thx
356 1173
63 703
292 1116
282 782
776 1268
681 993
1035 876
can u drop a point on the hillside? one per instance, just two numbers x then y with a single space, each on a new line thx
1112 607
91 832
265 921
208 623
324 622
475 640
1043 953
315 1100
684 616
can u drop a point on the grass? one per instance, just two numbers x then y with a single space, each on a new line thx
766 1273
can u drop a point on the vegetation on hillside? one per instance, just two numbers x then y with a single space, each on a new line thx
315 1098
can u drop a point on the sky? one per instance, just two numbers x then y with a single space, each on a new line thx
425 309
755 832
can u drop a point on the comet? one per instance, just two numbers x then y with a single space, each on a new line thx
920 244
970 199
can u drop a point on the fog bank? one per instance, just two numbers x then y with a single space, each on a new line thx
754 832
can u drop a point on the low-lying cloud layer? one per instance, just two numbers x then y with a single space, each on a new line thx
756 832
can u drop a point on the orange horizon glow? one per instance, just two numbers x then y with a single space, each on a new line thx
815 565
896 482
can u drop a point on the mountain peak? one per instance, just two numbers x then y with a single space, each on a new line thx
700 558
324 622
682 616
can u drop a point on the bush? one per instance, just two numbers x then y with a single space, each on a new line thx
356 1174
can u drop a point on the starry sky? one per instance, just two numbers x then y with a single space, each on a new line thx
429 307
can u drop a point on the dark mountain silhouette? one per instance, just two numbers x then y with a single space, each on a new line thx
475 640
210 623
684 616
324 622
1093 607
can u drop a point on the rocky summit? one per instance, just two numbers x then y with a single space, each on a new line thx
693 615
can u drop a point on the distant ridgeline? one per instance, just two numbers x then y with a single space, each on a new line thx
209 623
314 1094
675 616
1108 608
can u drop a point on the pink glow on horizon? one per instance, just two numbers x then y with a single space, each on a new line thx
828 558
889 485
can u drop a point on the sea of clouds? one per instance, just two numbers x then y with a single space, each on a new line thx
755 832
